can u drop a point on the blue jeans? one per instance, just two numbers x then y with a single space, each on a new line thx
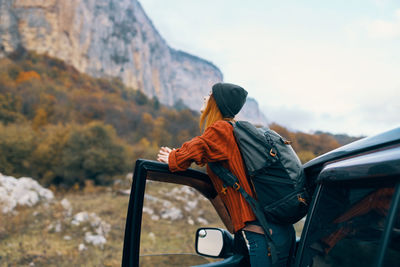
284 240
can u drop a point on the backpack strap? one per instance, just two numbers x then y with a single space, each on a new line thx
231 180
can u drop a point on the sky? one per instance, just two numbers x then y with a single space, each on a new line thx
311 65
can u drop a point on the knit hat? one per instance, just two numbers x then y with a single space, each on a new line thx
230 98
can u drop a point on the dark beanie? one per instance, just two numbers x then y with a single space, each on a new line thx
230 98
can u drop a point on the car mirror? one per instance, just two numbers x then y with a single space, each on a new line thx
213 242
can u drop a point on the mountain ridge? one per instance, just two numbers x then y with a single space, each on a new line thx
108 38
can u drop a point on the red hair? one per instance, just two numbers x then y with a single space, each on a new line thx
210 115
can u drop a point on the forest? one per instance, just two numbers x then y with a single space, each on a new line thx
63 127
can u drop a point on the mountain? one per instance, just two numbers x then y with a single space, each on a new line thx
108 38
252 112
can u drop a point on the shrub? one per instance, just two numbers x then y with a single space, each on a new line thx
92 152
17 142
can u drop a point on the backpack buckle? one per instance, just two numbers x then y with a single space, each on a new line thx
272 153
236 186
301 199
224 189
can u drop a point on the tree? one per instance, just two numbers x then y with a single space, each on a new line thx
47 156
305 156
40 119
17 142
25 76
93 152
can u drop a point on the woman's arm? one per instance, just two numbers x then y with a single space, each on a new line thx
213 145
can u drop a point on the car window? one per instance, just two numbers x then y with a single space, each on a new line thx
392 257
171 215
347 226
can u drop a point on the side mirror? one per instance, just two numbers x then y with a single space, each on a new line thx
214 242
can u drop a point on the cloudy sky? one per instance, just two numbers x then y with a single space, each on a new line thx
311 65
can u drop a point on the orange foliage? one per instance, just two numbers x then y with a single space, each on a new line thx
306 145
24 76
40 119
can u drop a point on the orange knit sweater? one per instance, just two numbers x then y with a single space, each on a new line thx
218 144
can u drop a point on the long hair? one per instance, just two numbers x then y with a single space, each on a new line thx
210 115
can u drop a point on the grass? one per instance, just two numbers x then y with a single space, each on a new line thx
174 236
25 237
27 240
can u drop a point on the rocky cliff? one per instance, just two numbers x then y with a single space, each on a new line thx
252 112
112 38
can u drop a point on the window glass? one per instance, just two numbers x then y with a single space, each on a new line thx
392 257
347 226
298 227
171 215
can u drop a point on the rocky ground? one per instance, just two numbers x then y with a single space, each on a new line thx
86 228
39 227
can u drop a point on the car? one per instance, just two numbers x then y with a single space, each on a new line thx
353 218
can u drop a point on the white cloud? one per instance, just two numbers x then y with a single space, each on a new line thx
366 120
311 85
306 73
384 28
380 3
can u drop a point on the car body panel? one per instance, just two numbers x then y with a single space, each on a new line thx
370 166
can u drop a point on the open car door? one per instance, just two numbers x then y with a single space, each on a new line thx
233 251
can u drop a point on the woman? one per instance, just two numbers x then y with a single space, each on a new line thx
217 143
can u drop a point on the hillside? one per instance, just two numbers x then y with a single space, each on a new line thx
341 138
63 126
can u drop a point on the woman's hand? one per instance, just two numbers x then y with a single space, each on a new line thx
163 154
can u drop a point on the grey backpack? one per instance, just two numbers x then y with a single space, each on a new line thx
273 169
276 174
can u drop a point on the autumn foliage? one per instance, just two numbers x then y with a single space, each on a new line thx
63 127
26 76
307 146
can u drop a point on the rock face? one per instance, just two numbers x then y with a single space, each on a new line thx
113 38
252 112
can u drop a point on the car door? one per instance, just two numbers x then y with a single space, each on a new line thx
354 218
161 232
